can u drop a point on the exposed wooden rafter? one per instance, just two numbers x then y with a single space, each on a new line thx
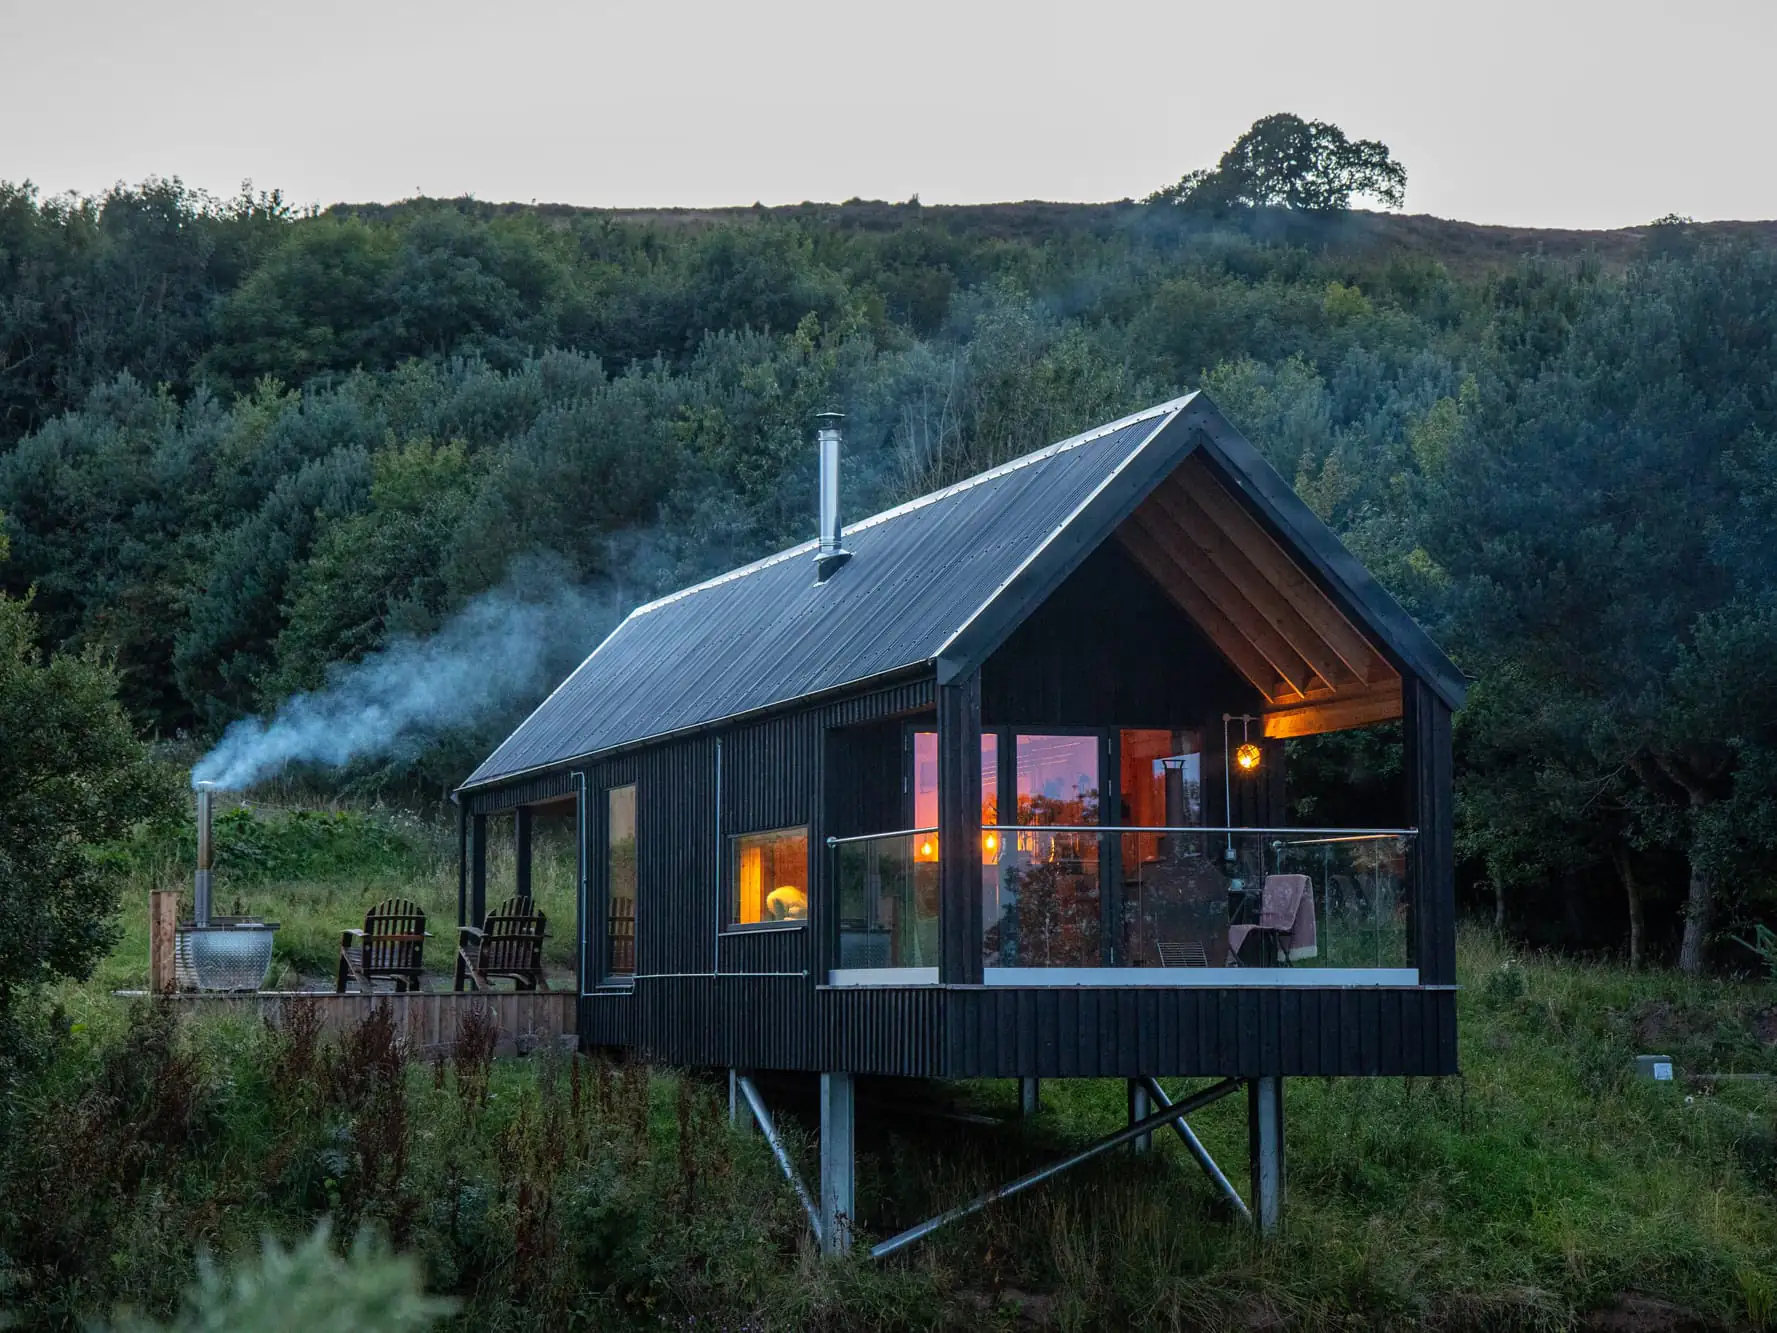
1286 663
1378 703
1316 671
1221 632
1197 486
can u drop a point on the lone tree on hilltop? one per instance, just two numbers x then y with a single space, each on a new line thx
1285 161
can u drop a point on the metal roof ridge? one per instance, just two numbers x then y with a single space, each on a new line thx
1165 418
1022 461
921 501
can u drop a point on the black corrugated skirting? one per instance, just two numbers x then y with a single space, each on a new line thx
1018 1032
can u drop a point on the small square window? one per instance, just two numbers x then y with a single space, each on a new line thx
770 877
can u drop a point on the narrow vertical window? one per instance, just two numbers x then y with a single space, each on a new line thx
620 882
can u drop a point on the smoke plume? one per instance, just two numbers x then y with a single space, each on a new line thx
500 653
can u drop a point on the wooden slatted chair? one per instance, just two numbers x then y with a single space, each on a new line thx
1182 953
389 948
508 943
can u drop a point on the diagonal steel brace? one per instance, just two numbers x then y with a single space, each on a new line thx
1173 1113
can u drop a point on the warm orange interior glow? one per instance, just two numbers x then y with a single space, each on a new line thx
752 885
990 848
1247 757
927 850
771 877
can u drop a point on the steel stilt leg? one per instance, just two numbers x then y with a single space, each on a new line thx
838 1162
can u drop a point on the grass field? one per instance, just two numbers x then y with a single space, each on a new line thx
1546 1188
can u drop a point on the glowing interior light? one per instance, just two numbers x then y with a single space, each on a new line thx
928 849
1247 757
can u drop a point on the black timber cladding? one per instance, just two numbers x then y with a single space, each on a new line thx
798 698
792 1022
705 994
1044 1032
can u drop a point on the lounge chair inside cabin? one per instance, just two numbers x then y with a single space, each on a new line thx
1285 931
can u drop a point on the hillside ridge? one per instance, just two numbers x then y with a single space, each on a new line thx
1361 232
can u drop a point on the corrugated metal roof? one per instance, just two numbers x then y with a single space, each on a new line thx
944 578
766 633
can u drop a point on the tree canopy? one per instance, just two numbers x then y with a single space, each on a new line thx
240 446
75 776
1284 161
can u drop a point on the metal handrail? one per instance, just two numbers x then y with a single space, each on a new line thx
871 837
1342 834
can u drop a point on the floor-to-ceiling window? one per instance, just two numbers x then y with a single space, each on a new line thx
620 882
1174 900
1048 898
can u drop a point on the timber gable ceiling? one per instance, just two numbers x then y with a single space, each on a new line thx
1316 670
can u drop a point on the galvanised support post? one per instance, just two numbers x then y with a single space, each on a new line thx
1264 1125
762 1118
521 848
1194 1146
740 1118
1140 1108
1030 1096
1177 1111
477 870
463 862
838 1162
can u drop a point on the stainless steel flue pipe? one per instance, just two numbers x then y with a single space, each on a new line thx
830 552
200 899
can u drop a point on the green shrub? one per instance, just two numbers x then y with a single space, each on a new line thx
305 1288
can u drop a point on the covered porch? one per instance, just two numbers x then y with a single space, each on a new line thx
1101 797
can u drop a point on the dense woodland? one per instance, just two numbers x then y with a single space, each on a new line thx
240 443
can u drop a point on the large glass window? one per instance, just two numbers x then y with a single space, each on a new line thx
770 877
620 882
1174 896
1046 907
1161 782
925 794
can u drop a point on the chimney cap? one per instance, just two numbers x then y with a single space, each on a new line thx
829 420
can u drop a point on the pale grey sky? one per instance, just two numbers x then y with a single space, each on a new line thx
1529 112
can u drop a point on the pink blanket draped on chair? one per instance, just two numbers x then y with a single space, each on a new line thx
1286 911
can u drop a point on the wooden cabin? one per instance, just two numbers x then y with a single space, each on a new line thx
991 785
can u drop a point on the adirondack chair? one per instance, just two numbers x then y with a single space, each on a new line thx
388 948
508 943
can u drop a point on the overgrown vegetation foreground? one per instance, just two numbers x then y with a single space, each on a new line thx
1545 1186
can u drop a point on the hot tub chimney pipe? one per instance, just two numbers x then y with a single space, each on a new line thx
830 554
200 898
